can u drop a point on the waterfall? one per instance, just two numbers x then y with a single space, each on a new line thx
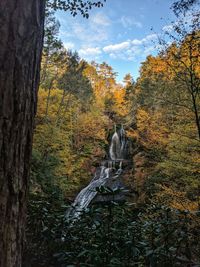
102 175
118 145
87 194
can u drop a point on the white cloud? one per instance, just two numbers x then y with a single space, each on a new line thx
137 42
116 47
150 38
129 22
147 39
125 50
112 55
132 49
90 51
148 50
168 28
69 45
90 33
100 19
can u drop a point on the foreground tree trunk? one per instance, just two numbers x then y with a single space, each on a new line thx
21 38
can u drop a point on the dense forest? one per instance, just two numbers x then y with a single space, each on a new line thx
79 105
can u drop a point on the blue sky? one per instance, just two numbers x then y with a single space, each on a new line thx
119 33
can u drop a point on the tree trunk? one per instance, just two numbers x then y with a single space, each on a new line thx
21 38
197 119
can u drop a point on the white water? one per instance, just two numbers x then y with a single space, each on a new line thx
118 145
87 194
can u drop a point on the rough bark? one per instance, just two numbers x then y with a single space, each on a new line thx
21 37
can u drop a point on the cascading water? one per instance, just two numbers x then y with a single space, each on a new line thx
88 193
102 175
118 145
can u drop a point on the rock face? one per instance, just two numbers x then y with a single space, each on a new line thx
109 174
115 181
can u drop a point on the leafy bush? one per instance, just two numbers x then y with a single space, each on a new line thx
111 235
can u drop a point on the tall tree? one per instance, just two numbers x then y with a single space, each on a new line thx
21 34
52 45
183 55
21 31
